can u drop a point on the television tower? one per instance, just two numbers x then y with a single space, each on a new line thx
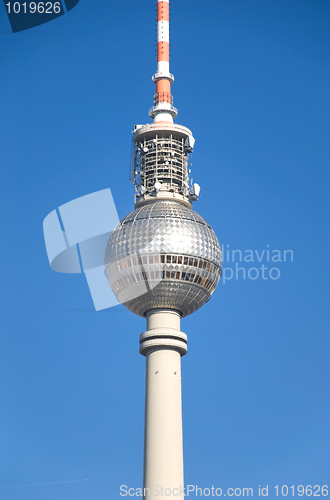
163 262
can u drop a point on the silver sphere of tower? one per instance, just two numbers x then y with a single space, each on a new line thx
163 255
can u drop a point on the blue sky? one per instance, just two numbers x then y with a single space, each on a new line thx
252 83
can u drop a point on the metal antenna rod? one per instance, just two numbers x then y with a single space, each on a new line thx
163 109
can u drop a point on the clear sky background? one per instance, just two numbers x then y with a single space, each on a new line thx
252 82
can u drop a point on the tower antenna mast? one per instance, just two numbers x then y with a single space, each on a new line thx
163 109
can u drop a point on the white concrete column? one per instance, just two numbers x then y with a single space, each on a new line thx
163 449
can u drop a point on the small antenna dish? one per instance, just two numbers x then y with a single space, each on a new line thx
194 191
189 144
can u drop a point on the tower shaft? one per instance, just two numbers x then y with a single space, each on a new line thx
163 344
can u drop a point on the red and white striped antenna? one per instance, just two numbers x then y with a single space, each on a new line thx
163 110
